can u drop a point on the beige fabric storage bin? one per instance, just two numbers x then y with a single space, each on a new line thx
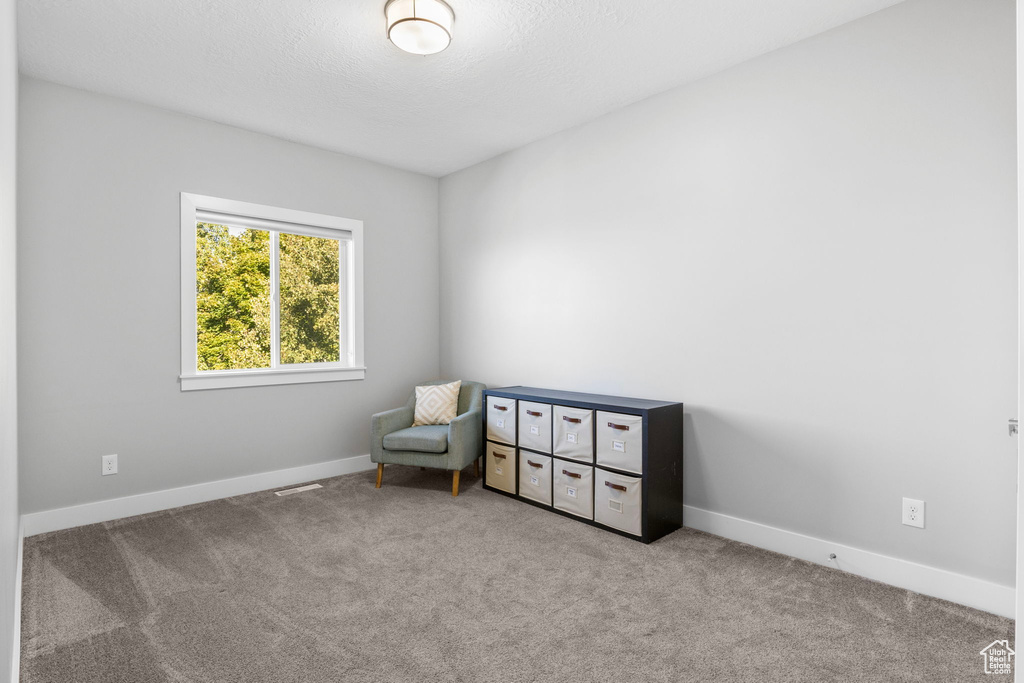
501 467
535 477
620 441
501 419
574 433
573 488
618 501
535 426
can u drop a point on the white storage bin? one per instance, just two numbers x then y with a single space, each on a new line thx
620 441
618 501
535 477
535 426
573 489
574 433
501 467
501 419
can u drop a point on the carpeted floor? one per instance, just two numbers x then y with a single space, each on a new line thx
349 583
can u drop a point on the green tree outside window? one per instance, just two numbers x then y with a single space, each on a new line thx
233 298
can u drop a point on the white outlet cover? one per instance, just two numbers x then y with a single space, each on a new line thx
913 512
109 465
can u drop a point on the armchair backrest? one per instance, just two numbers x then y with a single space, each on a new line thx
471 395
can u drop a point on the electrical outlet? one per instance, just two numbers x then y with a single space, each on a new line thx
913 512
109 465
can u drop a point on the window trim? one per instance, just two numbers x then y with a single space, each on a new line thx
348 231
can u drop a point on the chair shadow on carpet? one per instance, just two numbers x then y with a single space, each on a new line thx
426 478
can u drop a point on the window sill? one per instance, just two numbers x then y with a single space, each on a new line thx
230 379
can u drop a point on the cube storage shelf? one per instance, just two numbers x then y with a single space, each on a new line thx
608 461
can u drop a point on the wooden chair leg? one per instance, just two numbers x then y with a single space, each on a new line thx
455 482
476 467
380 473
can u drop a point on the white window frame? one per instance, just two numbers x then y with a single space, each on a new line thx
347 231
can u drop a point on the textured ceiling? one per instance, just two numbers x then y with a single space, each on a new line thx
322 72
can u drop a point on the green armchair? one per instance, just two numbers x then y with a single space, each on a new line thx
394 441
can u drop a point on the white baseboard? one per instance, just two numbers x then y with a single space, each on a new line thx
16 651
117 508
939 583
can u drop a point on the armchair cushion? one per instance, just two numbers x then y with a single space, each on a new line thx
436 404
423 438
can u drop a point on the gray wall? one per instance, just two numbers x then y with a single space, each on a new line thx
8 364
1019 624
98 291
814 250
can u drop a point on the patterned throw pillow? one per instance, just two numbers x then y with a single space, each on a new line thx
437 404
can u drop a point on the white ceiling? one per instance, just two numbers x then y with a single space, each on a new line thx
321 72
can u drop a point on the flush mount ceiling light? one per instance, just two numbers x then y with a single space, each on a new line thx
421 27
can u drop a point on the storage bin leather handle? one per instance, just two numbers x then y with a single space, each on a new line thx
617 487
572 419
574 475
500 407
624 428
533 464
534 413
499 456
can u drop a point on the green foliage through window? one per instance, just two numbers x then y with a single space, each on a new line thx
233 298
309 299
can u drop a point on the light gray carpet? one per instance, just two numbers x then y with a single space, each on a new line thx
406 583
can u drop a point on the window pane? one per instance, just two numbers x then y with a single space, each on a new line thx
232 297
309 299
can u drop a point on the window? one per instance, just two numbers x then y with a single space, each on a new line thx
268 295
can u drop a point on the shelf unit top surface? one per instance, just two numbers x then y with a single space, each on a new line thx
554 395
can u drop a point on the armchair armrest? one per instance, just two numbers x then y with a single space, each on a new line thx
465 438
384 423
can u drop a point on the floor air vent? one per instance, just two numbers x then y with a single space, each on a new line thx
298 489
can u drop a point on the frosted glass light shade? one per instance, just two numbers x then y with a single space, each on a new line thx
421 27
